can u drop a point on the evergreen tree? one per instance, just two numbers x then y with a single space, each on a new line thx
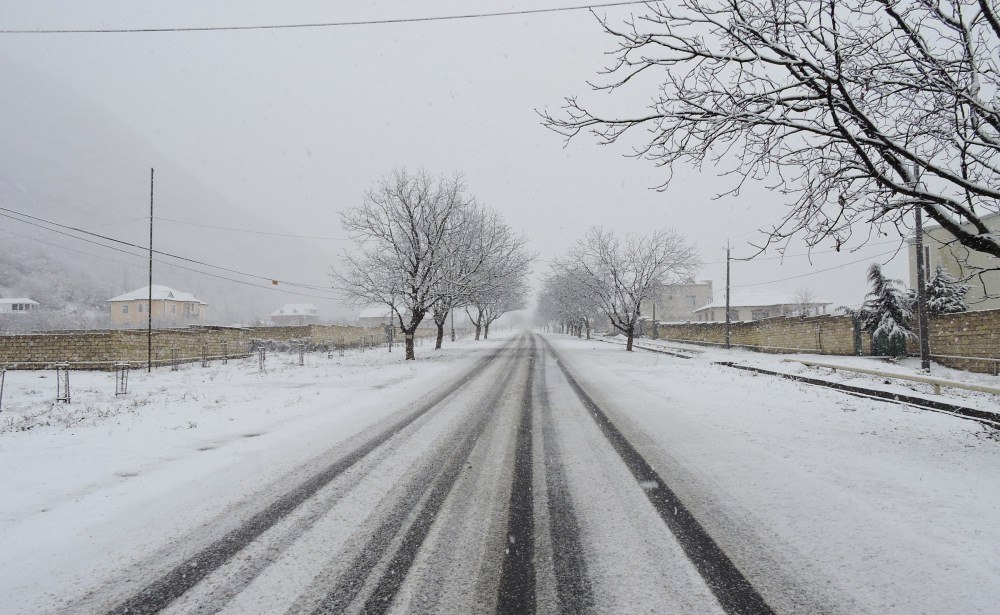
886 314
944 295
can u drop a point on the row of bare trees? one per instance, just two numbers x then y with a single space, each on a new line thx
605 275
425 247
859 111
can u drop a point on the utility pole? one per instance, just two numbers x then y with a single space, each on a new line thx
728 322
656 325
925 346
149 305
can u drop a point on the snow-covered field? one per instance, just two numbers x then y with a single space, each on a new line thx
788 364
829 503
103 480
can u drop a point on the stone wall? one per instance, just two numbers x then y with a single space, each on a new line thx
816 334
970 340
101 349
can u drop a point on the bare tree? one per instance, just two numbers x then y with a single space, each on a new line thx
402 229
565 300
501 285
841 104
805 301
486 260
621 274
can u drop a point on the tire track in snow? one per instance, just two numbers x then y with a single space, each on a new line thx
160 593
574 594
516 594
733 591
419 506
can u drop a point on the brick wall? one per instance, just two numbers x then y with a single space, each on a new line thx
100 349
961 340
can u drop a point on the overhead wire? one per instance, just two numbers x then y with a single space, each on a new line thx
326 24
160 261
254 232
270 279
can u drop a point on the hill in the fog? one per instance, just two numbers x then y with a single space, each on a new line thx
65 159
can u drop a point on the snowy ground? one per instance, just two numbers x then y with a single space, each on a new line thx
830 503
786 363
826 503
103 480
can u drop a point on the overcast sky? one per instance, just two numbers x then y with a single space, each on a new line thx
296 124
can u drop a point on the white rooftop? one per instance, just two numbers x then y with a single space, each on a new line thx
756 297
375 311
296 309
160 293
7 301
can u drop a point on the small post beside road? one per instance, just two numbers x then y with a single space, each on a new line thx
262 357
3 376
62 382
121 377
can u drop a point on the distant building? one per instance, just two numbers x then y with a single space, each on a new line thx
17 305
757 304
295 314
169 307
941 248
677 302
375 316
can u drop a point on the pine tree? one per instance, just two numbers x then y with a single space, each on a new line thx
944 295
886 313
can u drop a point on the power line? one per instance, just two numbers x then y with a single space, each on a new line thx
145 248
328 24
163 262
804 275
241 230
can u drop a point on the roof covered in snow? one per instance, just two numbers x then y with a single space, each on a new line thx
10 301
375 311
160 293
756 297
296 309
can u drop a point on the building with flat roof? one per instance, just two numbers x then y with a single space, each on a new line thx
757 304
941 248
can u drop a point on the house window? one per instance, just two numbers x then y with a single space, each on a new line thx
138 308
692 302
124 308
760 314
173 308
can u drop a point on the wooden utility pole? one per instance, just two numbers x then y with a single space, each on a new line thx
925 346
728 322
149 305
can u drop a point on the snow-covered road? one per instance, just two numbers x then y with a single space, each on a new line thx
539 474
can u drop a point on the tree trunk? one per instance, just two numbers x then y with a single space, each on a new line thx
479 329
486 331
631 333
409 347
588 330
440 335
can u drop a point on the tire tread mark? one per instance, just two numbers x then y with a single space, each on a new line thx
574 594
735 594
158 594
516 593
347 588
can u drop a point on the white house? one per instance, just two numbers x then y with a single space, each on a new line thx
375 316
295 314
980 269
17 305
757 304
